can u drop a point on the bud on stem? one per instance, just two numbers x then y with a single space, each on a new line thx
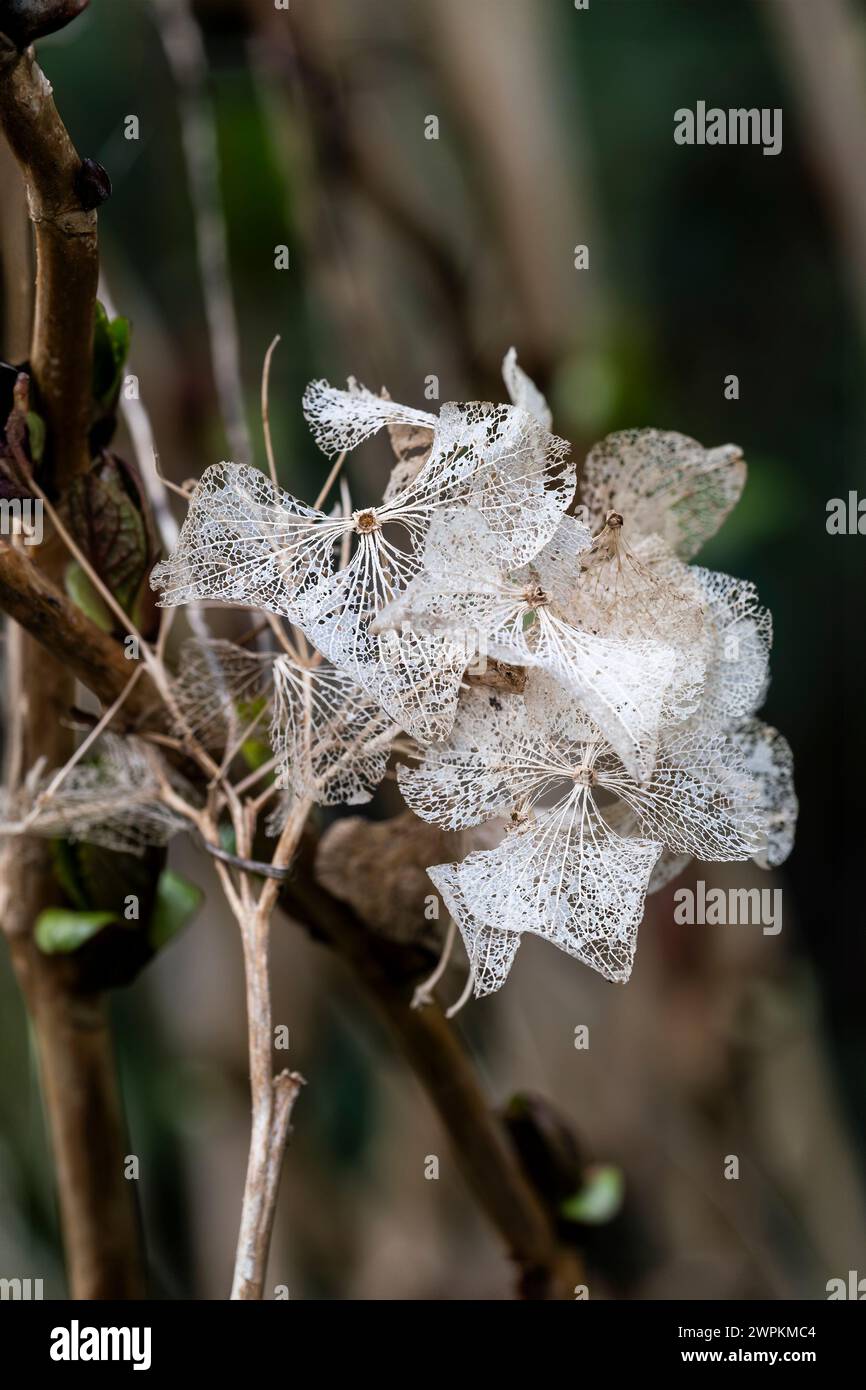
25 21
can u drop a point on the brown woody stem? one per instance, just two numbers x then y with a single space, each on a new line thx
67 263
97 1203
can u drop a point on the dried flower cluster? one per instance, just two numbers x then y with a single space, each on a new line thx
632 745
625 744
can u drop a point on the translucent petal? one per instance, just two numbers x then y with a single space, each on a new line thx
483 770
462 585
523 390
414 676
516 618
563 875
621 685
491 951
739 633
220 688
504 463
341 420
699 799
331 739
245 541
558 566
412 445
669 864
767 756
644 593
664 484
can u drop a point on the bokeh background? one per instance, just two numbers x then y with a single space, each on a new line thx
411 257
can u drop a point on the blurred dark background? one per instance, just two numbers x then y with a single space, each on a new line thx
411 257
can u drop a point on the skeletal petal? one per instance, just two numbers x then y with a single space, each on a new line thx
767 756
246 541
331 739
341 420
523 390
664 484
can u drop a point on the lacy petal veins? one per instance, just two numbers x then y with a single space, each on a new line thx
562 870
113 800
331 741
633 745
245 541
525 617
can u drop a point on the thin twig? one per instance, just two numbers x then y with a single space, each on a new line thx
283 637
255 776
91 738
272 1097
326 486
454 1010
424 992
167 482
249 866
266 411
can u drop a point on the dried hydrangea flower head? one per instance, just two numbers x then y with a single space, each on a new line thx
246 541
628 743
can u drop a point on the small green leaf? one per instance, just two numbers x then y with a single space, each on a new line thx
60 930
121 335
177 900
104 365
84 596
110 347
599 1199
36 431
